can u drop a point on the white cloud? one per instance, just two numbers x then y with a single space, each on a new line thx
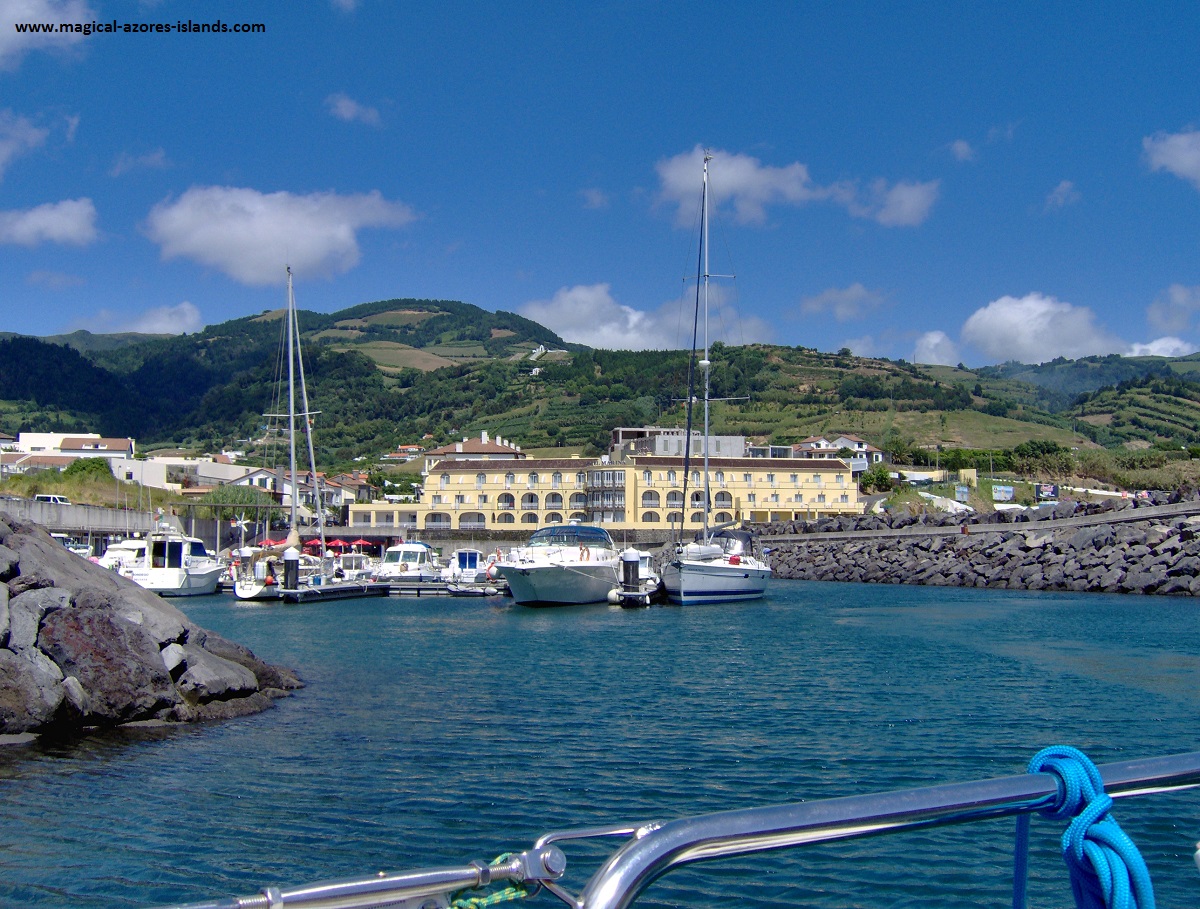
1176 153
14 44
962 150
1036 328
904 204
866 346
126 162
180 319
846 304
250 236
749 186
346 108
594 198
17 136
70 221
1062 195
588 314
1162 347
53 280
936 349
1175 309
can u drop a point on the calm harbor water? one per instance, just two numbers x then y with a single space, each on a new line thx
433 732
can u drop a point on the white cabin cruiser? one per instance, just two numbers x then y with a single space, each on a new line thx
412 561
562 565
166 562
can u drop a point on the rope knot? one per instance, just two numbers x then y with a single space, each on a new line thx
1107 871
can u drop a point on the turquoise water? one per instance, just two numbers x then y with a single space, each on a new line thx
433 732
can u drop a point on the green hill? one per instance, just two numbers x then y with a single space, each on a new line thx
394 371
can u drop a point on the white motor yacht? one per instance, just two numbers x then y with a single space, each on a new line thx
167 562
562 565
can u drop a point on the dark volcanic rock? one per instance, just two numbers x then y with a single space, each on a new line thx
82 647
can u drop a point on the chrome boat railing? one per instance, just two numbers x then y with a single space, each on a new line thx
654 848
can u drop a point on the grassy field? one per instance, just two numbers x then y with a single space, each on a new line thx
393 356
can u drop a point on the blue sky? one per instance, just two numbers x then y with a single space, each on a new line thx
941 182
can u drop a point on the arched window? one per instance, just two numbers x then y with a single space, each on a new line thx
697 517
650 499
723 500
647 476
509 479
578 500
529 501
556 479
529 517
506 500
650 517
480 480
471 520
506 517
581 479
436 519
674 518
720 476
444 480
670 476
533 479
578 516
723 517
695 476
554 518
674 499
697 498
554 500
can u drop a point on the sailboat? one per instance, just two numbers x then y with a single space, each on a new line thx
284 573
720 565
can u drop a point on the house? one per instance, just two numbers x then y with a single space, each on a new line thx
278 484
640 492
484 448
864 455
403 454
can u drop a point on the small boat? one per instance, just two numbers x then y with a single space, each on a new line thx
284 573
166 562
413 561
720 566
80 549
562 565
639 584
472 573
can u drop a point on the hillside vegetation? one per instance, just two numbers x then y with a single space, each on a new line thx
397 371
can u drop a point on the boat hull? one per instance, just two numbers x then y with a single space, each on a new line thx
560 585
179 582
690 583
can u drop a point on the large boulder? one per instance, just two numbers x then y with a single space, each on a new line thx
82 648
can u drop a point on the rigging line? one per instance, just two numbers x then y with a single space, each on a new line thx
691 395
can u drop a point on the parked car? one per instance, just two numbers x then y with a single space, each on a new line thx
52 499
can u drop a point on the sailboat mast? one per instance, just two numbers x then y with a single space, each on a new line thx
705 363
291 354
318 494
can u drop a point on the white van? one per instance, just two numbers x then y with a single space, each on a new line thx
53 500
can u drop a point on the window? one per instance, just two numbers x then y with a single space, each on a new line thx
647 477
554 518
650 517
697 517
480 479
554 500
650 499
674 517
529 518
671 476
747 479
509 479
555 480
675 499
821 498
529 501
578 500
505 518
723 500
724 517
697 499
533 479
695 476
444 480
771 478
580 480
506 501
483 498
839 479
720 477
750 498
795 478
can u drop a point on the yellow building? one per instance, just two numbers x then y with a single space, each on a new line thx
642 492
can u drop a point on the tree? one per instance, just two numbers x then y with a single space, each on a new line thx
878 479
89 467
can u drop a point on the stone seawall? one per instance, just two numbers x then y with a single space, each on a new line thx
1109 549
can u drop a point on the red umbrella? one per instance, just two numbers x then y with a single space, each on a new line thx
270 543
314 543
362 542
338 544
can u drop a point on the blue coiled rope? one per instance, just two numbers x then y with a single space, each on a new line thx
1107 871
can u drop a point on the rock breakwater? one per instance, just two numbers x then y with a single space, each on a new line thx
1124 547
82 648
